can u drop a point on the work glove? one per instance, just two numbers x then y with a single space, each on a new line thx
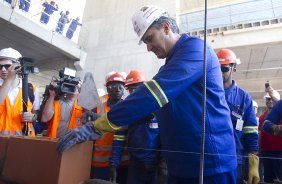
89 116
84 133
253 177
113 173
277 130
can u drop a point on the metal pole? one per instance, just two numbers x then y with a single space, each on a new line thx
202 155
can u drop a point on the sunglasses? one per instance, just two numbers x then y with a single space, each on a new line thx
6 66
115 86
225 69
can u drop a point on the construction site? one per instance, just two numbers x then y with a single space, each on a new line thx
140 92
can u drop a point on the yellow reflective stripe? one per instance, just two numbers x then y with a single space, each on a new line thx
152 92
157 92
159 87
114 127
119 137
250 129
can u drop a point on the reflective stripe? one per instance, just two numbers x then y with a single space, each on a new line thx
250 129
18 133
157 92
153 125
112 126
102 110
119 137
101 159
103 148
5 132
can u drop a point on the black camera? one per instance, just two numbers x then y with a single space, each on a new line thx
66 84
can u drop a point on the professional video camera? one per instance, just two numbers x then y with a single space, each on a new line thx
63 86
66 84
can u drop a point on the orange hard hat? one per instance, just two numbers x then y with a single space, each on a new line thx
227 56
116 77
134 77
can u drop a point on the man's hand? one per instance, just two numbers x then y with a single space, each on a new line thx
89 116
13 70
277 130
84 133
28 117
113 173
253 177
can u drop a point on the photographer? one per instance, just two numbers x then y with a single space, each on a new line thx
270 145
61 112
11 106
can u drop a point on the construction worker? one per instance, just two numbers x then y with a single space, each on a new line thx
270 145
11 105
143 142
24 5
48 10
243 118
73 25
61 112
103 166
64 19
175 96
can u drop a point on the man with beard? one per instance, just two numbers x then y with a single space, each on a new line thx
270 145
102 164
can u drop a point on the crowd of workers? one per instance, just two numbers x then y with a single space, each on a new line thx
154 134
48 9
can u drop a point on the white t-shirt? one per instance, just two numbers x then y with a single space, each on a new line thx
13 93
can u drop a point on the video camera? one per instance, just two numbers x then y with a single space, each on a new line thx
66 84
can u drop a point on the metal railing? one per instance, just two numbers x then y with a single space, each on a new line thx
34 9
253 11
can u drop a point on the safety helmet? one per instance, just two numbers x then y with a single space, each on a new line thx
77 18
255 104
134 77
11 54
143 18
227 56
116 77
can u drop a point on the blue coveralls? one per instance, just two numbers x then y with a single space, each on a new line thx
274 116
245 126
175 96
24 5
72 28
48 10
144 150
61 23
9 1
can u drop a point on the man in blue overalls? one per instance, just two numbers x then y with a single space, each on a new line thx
73 25
24 5
48 10
174 95
243 119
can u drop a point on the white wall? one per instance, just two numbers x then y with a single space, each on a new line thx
108 38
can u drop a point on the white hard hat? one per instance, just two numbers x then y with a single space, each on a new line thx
11 54
144 18
255 104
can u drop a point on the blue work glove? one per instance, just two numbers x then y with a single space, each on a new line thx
84 133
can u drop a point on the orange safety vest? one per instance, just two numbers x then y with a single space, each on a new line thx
75 120
10 117
102 150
